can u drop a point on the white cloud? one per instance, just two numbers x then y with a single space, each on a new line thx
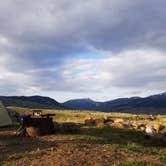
129 71
40 41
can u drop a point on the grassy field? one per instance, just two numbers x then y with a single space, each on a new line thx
91 146
80 116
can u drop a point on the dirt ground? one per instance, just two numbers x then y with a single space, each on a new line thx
66 150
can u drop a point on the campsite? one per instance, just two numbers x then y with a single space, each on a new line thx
82 82
81 139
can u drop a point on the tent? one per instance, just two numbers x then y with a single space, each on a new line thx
5 119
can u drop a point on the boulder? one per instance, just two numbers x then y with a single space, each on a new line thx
89 122
139 117
150 131
108 123
116 125
118 120
134 125
151 117
141 127
87 117
99 122
127 124
108 120
158 127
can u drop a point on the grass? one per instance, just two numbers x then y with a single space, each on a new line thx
79 116
76 145
141 149
128 163
17 156
130 139
127 141
162 156
86 137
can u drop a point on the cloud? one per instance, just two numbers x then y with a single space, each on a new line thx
132 69
59 27
123 74
41 42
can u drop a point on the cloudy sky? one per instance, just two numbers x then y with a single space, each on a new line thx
82 48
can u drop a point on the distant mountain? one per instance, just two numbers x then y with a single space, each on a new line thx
152 104
82 104
31 102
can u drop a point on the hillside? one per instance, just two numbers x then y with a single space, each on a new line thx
31 102
85 104
151 104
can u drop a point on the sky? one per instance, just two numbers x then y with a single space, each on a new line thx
95 49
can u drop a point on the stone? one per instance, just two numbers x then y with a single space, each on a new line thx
118 120
158 127
150 131
99 122
116 125
89 122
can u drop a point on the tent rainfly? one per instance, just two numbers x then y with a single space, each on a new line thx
5 119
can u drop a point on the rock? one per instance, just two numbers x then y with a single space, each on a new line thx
116 125
139 117
141 127
158 127
108 123
134 125
127 124
108 120
89 122
151 117
150 131
118 120
99 122
87 117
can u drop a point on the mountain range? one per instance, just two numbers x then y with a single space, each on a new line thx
31 102
151 104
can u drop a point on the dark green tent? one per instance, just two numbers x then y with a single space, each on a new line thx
5 119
